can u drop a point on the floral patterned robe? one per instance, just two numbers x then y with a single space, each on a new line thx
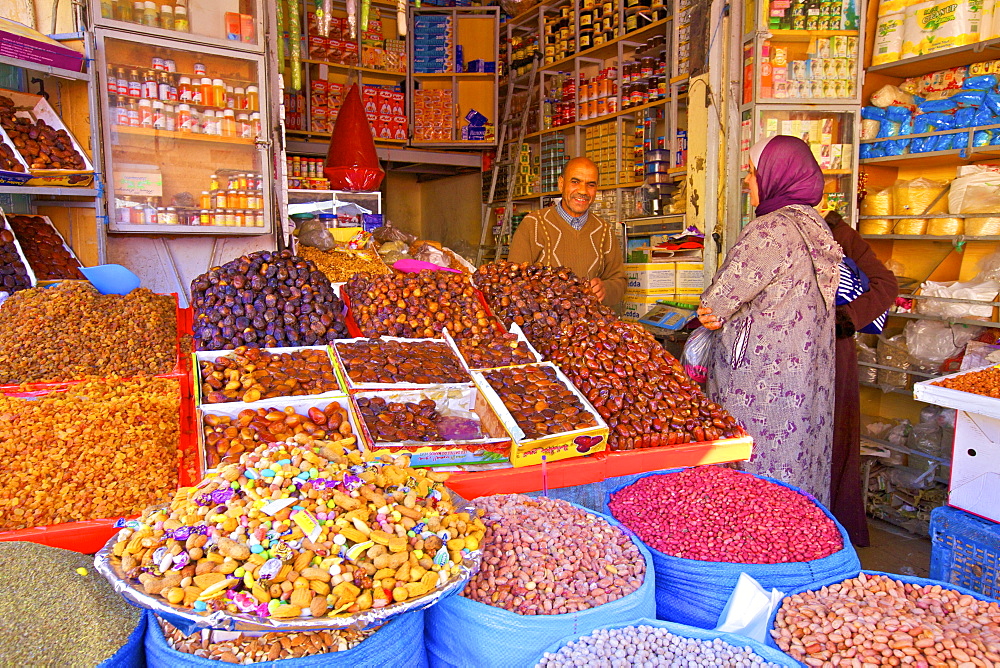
772 363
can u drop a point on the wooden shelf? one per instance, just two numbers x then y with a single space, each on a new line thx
951 239
960 321
942 60
807 35
182 136
608 49
355 68
456 75
601 119
45 190
45 69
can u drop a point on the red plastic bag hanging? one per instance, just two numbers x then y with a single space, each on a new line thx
351 162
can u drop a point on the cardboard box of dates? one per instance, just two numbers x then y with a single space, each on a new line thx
13 169
202 385
35 108
480 436
49 256
228 447
393 363
544 413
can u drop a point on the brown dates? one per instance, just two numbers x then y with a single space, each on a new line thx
418 362
494 349
41 145
44 248
417 305
397 422
251 374
539 401
226 438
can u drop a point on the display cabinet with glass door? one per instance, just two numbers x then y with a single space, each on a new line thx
184 142
830 135
233 24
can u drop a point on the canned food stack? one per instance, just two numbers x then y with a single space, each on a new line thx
598 23
599 96
559 107
641 13
601 145
645 78
559 40
554 158
306 173
432 44
527 172
523 48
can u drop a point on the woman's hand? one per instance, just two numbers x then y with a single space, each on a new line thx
708 320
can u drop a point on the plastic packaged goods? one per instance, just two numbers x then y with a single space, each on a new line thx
877 203
916 197
945 226
888 38
892 352
929 27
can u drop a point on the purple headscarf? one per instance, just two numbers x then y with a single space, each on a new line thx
787 173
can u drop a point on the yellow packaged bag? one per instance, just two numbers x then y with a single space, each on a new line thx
945 227
889 31
876 203
929 27
982 227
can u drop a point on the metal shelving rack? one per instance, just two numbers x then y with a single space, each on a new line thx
614 52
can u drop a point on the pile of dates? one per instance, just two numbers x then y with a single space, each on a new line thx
226 438
548 408
397 422
13 273
414 362
251 374
416 305
265 300
9 161
41 145
494 349
540 299
44 249
301 530
639 388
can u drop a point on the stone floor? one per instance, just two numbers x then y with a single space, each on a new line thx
895 550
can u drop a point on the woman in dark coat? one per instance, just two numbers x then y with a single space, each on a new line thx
846 496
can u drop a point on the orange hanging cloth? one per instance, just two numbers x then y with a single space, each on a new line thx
351 162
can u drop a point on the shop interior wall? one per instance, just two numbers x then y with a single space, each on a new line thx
38 14
446 210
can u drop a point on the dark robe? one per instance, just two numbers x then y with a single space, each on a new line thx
847 498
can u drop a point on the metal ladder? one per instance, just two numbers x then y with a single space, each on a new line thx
508 154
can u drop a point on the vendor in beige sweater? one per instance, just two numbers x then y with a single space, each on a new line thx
568 235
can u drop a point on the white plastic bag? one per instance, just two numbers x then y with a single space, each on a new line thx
931 342
983 291
694 357
977 191
749 609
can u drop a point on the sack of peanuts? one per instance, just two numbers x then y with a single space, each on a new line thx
646 641
399 642
706 525
886 619
550 568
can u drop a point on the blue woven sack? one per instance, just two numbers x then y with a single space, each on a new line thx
902 578
132 654
399 643
468 634
694 592
768 653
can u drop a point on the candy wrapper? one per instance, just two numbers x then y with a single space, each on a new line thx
296 537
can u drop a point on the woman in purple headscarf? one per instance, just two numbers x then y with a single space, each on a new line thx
773 302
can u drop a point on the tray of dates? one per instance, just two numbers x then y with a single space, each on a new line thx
13 168
495 349
436 426
392 363
228 430
295 536
51 259
251 374
53 155
973 391
544 413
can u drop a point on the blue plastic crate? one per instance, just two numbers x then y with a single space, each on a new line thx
965 550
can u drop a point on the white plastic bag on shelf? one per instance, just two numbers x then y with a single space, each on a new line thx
975 191
931 342
982 291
